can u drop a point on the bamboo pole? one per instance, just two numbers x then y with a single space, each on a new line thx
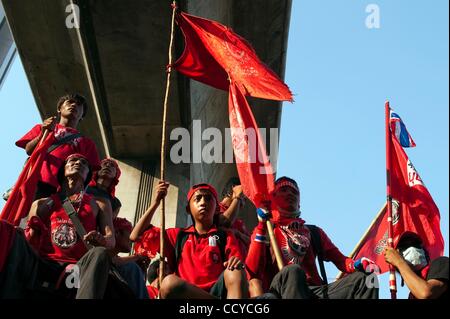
274 244
163 144
363 238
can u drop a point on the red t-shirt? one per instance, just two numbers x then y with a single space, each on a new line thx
294 240
55 159
200 262
148 243
152 292
62 243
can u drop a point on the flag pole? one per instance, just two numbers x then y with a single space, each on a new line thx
392 278
363 238
275 247
163 145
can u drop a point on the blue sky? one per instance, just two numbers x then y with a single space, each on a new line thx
332 138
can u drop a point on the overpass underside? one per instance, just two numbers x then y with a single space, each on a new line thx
117 58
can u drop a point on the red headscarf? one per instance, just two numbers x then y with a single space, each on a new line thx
112 187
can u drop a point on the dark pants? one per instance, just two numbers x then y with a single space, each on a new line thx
27 275
290 283
134 276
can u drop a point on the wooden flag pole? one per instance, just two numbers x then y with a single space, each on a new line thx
163 145
363 238
275 247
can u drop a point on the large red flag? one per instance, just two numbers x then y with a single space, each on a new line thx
254 168
413 209
18 204
214 54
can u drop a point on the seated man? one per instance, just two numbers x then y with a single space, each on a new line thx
299 279
103 184
425 278
37 261
71 109
127 266
207 261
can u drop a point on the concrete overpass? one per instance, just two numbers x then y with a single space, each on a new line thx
7 47
117 59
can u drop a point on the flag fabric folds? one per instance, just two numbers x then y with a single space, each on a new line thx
18 204
399 130
413 208
214 55
253 165
218 57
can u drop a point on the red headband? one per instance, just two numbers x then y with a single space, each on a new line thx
205 187
112 188
122 224
283 183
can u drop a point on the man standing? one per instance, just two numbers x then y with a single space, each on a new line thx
71 110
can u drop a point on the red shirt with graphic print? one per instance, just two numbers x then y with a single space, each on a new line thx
62 242
200 262
55 159
294 240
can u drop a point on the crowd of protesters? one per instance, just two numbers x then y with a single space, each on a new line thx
71 245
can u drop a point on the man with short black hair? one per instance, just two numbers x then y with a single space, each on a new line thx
71 109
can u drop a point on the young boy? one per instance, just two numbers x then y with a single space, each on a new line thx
207 262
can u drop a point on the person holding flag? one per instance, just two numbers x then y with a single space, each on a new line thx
300 244
409 209
425 278
71 109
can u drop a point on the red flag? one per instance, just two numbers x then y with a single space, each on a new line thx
254 168
413 209
214 54
18 204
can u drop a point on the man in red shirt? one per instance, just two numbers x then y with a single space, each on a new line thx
207 261
71 110
300 278
38 260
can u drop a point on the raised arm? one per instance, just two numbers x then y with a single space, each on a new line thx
49 124
229 216
146 219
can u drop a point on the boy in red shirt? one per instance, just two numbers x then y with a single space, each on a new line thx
207 262
300 278
71 110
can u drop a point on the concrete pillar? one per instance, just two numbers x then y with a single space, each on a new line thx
136 191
